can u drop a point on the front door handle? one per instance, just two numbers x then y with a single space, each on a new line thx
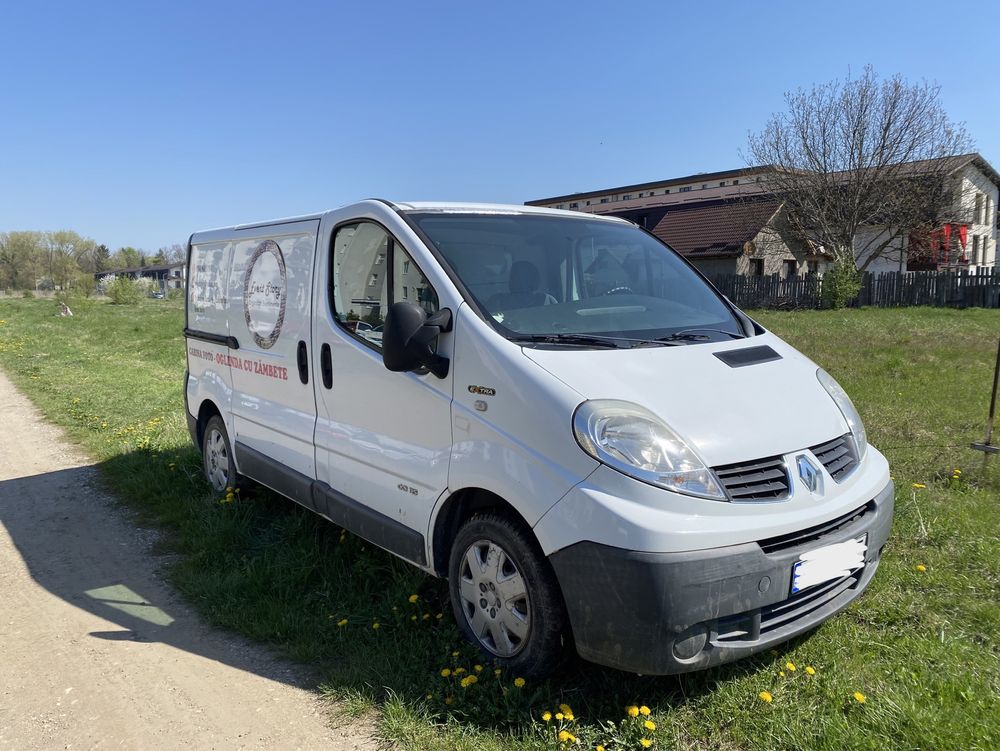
302 359
326 365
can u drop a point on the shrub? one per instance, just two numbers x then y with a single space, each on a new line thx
27 293
841 284
175 294
123 291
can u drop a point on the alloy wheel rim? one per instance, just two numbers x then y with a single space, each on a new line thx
494 598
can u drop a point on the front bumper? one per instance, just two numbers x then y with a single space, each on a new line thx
663 613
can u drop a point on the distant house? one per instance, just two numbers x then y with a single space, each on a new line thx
167 276
723 222
729 223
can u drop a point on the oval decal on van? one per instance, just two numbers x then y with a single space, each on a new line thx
264 293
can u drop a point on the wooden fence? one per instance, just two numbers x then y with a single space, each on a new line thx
954 289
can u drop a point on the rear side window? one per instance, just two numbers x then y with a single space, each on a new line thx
370 270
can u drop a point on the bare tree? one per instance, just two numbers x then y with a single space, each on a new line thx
863 163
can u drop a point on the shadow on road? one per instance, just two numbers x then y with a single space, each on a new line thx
76 545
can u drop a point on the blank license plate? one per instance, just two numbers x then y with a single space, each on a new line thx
829 562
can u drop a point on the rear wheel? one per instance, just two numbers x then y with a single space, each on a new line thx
217 456
505 596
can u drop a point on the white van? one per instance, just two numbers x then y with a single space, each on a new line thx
553 410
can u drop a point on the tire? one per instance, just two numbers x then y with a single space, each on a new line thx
217 456
505 596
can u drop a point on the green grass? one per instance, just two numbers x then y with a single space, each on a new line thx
921 646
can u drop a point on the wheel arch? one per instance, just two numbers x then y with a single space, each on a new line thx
206 411
458 508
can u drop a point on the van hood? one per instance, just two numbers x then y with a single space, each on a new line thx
728 414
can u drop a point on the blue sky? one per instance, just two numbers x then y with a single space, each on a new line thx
138 123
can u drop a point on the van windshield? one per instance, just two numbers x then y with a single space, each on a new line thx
539 276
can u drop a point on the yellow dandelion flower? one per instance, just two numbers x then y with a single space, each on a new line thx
376 626
448 700
439 616
632 711
919 485
859 697
425 617
566 737
645 742
342 622
649 725
781 673
454 654
559 715
599 747
564 708
430 696
497 672
413 618
765 696
519 682
790 667
464 683
810 670
546 716
459 671
957 471
478 668
921 568
644 710
413 598
472 679
445 673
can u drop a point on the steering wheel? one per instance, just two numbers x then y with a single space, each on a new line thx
620 290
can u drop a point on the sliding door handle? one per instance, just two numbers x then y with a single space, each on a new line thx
302 360
326 365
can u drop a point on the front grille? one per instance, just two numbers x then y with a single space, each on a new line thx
814 533
837 456
757 624
758 480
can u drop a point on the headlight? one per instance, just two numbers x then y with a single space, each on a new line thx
637 443
843 401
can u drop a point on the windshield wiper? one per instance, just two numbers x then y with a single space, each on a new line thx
571 339
688 335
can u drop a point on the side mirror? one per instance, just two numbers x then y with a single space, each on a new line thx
408 335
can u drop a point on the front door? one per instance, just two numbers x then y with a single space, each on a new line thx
383 439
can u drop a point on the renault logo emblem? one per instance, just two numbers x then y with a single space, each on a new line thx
809 473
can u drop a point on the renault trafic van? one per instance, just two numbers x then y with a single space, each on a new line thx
553 410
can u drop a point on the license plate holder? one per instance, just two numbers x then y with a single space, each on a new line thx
829 562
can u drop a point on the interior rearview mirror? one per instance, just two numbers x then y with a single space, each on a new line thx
408 337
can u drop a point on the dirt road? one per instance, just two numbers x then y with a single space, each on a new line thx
96 651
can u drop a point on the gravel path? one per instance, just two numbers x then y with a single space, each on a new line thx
96 650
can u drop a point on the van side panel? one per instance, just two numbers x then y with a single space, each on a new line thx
269 303
207 329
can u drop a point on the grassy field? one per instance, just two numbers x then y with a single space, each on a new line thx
921 647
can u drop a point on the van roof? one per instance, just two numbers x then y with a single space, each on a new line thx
444 207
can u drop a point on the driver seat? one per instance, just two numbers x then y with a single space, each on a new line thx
524 282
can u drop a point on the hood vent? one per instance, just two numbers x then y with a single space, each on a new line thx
740 358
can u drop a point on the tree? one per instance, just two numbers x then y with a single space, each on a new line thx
19 259
862 163
102 258
175 253
128 258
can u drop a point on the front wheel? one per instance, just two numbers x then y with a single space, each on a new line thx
505 596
